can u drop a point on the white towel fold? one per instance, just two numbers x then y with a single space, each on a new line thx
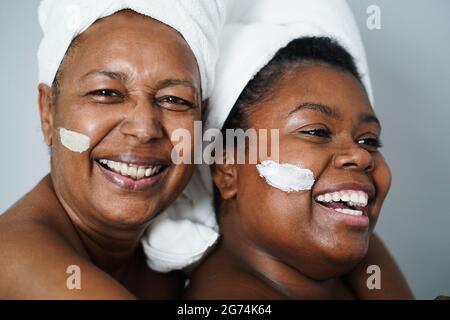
198 21
255 31
182 234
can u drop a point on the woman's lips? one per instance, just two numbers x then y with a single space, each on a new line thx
130 180
347 206
361 221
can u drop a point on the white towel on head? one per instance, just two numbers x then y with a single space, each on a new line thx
198 21
255 31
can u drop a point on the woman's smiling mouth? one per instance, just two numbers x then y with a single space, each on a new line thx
129 170
349 205
352 202
132 176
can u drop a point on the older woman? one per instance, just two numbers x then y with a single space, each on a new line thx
127 81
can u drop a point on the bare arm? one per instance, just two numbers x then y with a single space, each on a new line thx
393 283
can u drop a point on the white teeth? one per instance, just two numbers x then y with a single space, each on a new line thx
349 211
336 197
124 169
345 197
363 198
130 170
354 198
140 173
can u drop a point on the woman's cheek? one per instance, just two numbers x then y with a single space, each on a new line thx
92 121
185 135
264 202
97 122
382 177
272 219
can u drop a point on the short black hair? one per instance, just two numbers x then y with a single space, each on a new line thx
305 50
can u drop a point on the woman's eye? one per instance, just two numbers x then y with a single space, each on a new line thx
107 95
174 103
322 133
371 142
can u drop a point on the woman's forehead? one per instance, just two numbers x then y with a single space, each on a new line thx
129 20
327 84
315 84
132 43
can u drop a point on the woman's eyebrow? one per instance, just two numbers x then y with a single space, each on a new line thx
369 118
110 74
123 78
328 111
174 82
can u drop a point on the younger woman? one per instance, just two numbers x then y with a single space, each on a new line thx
311 243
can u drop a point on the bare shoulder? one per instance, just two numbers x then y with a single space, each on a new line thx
39 261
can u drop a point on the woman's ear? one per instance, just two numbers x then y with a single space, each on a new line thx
46 112
225 179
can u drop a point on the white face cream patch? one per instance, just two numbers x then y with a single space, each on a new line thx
286 177
74 141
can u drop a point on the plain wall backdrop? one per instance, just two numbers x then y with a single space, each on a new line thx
409 59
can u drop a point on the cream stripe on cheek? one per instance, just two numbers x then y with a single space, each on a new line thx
286 177
74 141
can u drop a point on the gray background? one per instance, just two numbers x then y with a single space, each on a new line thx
410 70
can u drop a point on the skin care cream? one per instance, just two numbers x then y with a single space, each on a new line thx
286 177
74 141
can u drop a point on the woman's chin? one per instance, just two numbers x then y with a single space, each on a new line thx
348 256
344 253
127 216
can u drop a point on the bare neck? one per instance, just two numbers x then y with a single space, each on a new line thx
110 249
240 251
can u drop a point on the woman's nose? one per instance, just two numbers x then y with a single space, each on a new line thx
354 158
143 122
